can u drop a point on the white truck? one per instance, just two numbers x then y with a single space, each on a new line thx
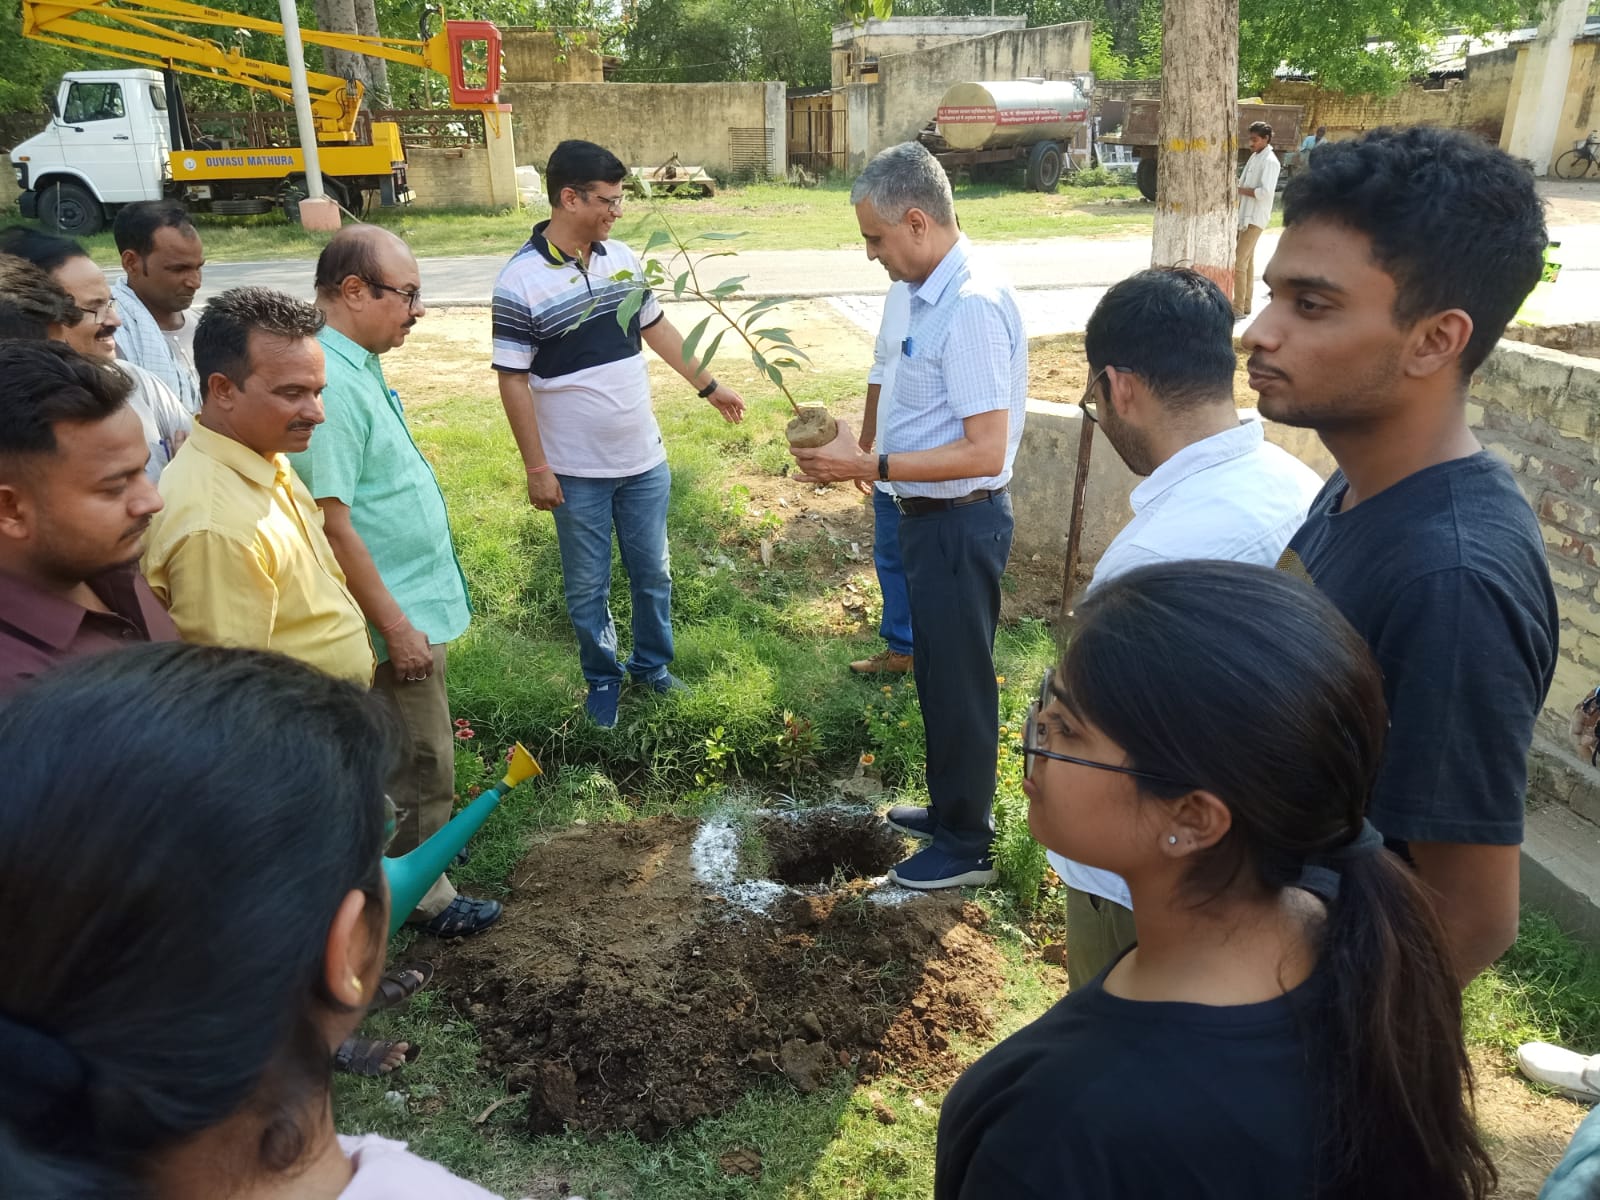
107 144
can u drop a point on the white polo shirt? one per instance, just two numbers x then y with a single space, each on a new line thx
557 321
1233 495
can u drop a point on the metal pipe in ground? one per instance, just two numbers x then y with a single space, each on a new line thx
1080 488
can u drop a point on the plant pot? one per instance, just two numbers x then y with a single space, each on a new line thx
811 428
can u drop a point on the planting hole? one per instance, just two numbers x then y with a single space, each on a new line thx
825 845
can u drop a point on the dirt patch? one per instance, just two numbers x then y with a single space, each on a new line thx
828 844
1526 1132
623 993
1057 370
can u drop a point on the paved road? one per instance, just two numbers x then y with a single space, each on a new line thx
1071 273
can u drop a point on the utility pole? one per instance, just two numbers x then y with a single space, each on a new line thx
1196 201
316 212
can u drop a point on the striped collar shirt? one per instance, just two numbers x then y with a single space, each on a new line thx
965 352
141 340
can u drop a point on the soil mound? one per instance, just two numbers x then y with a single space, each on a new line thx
623 993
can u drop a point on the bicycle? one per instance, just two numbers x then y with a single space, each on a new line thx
1581 160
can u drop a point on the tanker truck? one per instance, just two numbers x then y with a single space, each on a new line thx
1041 125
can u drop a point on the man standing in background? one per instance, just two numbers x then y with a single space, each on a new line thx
1258 183
161 257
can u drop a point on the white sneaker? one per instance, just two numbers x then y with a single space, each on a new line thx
1572 1074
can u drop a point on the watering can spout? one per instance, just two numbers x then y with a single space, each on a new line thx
411 875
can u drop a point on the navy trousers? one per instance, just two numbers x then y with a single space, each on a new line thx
953 560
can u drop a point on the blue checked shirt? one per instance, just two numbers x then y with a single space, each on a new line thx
965 352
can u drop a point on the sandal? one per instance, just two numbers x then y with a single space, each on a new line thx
366 1056
463 918
400 984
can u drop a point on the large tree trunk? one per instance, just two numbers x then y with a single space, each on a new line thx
339 16
1196 193
377 68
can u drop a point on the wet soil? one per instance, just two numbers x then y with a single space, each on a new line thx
621 993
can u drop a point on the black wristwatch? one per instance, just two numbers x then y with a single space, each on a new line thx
883 467
705 392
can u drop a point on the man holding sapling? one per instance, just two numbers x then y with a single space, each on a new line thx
946 448
573 382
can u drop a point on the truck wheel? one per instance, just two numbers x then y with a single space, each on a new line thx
1145 177
294 191
70 209
1044 167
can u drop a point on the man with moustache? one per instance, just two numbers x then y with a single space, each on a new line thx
161 260
1404 255
74 508
91 329
578 401
238 554
386 521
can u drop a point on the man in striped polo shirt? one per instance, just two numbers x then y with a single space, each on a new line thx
573 383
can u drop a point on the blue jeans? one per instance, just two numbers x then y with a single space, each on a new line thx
953 563
637 507
895 627
1577 1175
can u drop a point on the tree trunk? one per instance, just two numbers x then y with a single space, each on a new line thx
339 16
1196 189
377 68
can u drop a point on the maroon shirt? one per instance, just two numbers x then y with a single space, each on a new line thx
39 629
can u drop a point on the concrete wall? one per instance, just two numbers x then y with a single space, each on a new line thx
1046 468
1579 113
855 45
1539 410
645 124
467 176
540 56
1478 102
911 85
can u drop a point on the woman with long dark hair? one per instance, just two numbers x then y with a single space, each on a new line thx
195 918
1288 1024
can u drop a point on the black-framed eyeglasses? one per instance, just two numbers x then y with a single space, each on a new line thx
614 203
1033 735
98 313
412 296
1091 397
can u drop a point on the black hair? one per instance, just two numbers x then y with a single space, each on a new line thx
31 302
1261 129
1453 220
222 338
350 252
171 879
47 383
1173 328
577 164
1250 685
46 251
136 225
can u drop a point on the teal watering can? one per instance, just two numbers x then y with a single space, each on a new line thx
411 875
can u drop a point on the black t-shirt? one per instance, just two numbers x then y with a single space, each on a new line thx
1106 1098
1445 576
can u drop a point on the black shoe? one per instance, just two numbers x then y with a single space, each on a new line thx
463 918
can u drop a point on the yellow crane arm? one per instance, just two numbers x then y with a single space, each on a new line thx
140 31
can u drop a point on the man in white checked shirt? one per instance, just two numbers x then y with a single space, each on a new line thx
946 447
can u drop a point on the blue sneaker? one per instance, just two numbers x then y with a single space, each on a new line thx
912 820
936 868
602 704
663 683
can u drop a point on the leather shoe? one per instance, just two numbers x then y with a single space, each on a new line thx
885 662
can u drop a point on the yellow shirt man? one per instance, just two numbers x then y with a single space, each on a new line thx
239 557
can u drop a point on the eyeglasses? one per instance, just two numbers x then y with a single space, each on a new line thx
100 313
1033 735
1090 399
614 203
412 297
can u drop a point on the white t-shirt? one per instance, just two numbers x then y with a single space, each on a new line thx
1233 495
386 1170
557 321
1261 173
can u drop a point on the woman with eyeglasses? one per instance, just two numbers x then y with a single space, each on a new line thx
195 918
1287 1024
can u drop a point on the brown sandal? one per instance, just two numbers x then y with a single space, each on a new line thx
366 1056
400 984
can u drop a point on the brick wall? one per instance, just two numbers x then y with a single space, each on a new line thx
1539 410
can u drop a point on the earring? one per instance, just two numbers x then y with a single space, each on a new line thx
355 982
1172 839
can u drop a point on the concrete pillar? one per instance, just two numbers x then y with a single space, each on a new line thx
1545 68
497 138
775 106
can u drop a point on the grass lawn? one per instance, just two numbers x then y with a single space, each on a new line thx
771 216
756 642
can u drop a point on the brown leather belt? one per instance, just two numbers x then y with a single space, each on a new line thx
921 506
